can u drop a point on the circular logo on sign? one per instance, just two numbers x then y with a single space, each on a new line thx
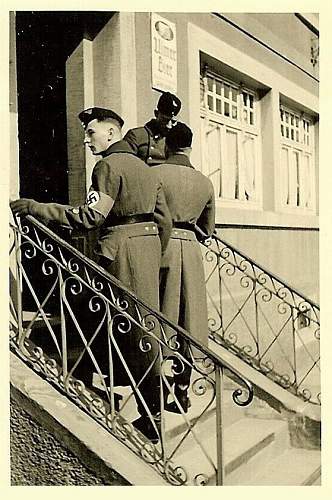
164 30
92 198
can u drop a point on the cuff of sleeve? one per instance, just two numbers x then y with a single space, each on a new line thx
49 212
33 207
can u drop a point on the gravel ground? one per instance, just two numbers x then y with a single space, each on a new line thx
38 459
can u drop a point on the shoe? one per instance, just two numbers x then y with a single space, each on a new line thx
144 425
102 395
183 399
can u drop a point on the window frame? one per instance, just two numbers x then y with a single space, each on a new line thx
241 128
300 149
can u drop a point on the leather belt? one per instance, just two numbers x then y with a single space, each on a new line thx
131 219
184 225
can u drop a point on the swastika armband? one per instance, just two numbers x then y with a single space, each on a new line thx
100 202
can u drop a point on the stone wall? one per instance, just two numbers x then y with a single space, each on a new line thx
39 459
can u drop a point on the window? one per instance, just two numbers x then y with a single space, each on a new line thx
230 140
297 152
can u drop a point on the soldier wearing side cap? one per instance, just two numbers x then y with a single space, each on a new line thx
128 202
190 198
148 142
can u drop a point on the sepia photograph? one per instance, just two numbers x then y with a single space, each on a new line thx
164 251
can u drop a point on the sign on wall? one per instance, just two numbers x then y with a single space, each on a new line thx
164 56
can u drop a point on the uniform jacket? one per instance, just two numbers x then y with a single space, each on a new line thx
190 198
122 185
147 142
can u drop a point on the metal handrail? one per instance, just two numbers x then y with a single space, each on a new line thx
283 282
67 273
275 347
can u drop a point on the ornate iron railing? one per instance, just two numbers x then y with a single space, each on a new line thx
72 322
263 320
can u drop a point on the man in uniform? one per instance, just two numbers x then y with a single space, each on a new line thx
190 198
127 200
148 142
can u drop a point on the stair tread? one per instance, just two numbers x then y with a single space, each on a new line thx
291 468
234 444
239 437
175 423
39 321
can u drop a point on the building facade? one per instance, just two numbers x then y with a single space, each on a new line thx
249 90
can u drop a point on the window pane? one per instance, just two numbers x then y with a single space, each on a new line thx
218 87
210 83
226 109
234 95
293 181
249 167
296 157
251 101
202 92
226 91
282 130
211 156
210 102
285 195
245 115
230 171
251 118
218 106
234 112
305 196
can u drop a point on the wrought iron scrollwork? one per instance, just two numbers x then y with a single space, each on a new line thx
91 351
255 315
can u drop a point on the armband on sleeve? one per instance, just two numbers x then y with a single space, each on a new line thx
100 202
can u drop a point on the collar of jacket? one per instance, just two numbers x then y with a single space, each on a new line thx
118 147
154 128
179 159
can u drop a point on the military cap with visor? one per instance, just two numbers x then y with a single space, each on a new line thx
169 104
179 137
100 114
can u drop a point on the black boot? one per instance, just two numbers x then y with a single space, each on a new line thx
103 395
144 425
183 400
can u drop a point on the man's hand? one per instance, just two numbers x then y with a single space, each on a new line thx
21 206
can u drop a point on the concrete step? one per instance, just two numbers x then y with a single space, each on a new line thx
202 414
244 441
294 467
39 320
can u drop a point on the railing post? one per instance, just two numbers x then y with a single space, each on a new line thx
110 360
220 296
257 322
63 329
19 286
294 319
219 426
